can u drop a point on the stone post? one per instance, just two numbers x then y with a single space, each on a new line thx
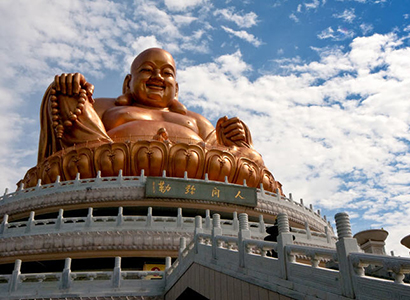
244 233
15 276
60 218
180 220
30 222
4 224
149 218
89 220
262 228
66 280
168 262
216 230
284 238
116 276
182 246
344 246
120 216
207 219
198 230
235 221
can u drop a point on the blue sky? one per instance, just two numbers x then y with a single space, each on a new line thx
323 85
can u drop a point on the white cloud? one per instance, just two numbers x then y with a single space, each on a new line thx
312 5
366 28
326 33
347 15
180 5
294 18
340 34
243 21
250 38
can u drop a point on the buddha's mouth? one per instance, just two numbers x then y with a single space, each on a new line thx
155 86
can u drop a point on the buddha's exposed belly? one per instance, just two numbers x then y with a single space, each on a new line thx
144 129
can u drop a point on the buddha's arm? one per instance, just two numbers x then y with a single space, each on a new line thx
68 116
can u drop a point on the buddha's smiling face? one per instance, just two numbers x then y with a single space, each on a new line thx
153 81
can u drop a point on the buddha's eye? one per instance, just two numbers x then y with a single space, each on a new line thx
146 70
167 72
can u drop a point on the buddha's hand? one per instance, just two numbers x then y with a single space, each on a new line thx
68 97
232 132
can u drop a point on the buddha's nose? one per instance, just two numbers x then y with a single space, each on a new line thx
157 74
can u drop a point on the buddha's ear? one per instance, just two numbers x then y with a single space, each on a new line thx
126 84
176 91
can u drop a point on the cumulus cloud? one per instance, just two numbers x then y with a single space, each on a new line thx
250 38
242 20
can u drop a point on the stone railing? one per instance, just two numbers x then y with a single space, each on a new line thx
131 188
61 234
246 259
81 284
241 257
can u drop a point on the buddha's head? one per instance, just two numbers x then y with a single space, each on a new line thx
152 81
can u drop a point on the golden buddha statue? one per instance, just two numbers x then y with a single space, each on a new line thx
144 128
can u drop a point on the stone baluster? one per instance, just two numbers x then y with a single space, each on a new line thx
66 280
90 220
182 246
308 233
38 186
226 179
60 219
198 230
344 246
262 189
120 216
180 220
142 176
284 238
244 233
168 262
164 173
149 218
244 182
30 222
262 228
120 177
216 230
15 276
278 196
208 219
328 236
116 278
6 191
4 224
290 197
185 175
311 207
235 221
77 179
301 202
